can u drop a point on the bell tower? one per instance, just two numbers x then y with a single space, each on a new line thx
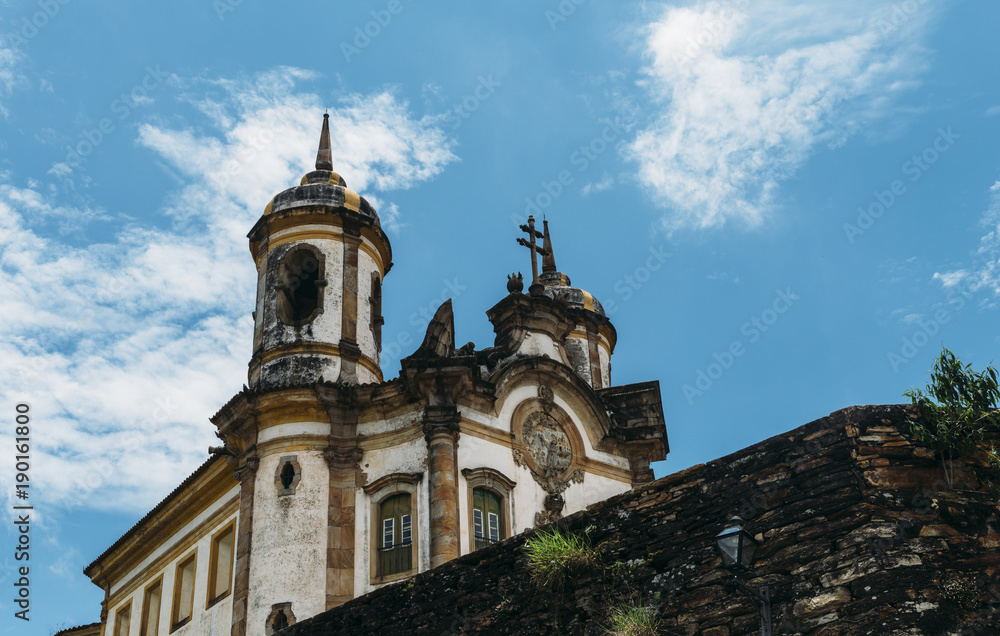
321 257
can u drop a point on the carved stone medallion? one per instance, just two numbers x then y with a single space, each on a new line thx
549 447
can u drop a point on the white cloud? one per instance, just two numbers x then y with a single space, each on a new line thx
125 348
10 77
746 91
984 273
603 184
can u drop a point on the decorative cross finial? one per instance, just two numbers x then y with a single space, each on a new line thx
535 288
324 157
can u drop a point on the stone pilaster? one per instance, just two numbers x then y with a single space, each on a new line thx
350 353
343 463
441 429
246 474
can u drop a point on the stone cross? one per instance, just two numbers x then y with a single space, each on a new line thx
535 250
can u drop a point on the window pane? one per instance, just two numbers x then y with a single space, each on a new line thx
494 521
477 523
406 537
387 533
150 611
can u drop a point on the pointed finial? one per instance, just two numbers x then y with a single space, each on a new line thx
324 158
548 258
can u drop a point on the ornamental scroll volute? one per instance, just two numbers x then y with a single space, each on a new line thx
546 449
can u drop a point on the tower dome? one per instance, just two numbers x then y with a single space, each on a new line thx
321 257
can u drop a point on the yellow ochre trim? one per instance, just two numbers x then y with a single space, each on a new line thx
352 200
334 179
268 207
305 235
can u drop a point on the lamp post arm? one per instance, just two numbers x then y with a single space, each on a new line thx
760 599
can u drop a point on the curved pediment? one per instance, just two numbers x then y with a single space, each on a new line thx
563 382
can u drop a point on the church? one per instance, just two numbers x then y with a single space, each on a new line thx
331 481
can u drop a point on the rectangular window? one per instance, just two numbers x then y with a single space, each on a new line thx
494 522
387 533
151 609
122 619
221 572
477 522
183 592
406 530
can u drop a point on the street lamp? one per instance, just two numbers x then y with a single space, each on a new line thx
737 548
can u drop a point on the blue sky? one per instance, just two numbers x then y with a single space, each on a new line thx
786 207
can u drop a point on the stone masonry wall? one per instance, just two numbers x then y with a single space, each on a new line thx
860 537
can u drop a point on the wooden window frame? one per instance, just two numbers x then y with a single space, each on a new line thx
378 491
494 480
145 608
213 565
175 600
127 607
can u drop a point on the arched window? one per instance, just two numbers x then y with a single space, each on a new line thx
394 529
281 616
395 553
376 311
487 517
300 286
491 509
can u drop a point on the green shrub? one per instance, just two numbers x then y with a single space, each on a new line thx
955 410
554 557
633 620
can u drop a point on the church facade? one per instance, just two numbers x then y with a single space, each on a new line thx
332 481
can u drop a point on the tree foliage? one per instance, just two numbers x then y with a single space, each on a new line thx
957 407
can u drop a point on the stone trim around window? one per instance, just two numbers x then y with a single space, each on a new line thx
499 483
280 475
269 624
377 491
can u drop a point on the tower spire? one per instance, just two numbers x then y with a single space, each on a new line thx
548 258
324 158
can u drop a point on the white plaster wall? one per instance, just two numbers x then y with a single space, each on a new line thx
593 489
390 424
293 428
540 344
216 620
289 541
406 458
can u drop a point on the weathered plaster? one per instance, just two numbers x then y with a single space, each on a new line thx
287 562
294 428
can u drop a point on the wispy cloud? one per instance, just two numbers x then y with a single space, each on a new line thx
983 274
124 348
604 183
747 90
